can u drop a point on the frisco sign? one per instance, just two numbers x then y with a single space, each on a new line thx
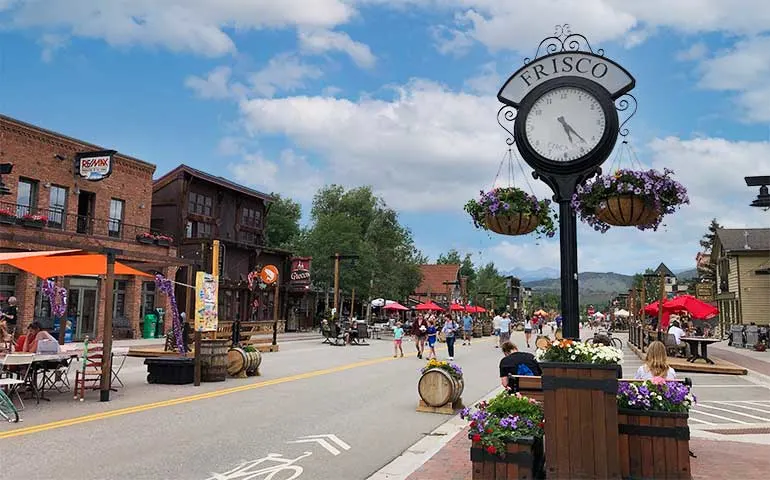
603 71
300 270
94 166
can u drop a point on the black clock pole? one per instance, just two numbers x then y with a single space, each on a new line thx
570 303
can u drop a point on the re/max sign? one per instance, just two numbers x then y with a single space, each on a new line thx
601 70
94 166
95 163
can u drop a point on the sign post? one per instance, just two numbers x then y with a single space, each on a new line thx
206 306
564 116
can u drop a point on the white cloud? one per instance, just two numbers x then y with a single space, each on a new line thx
216 84
696 51
487 81
291 174
284 72
322 41
51 43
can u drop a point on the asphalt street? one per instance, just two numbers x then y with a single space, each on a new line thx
317 412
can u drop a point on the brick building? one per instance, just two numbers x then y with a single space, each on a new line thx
86 214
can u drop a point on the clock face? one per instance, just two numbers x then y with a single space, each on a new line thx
565 124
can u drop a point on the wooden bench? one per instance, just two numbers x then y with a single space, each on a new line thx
532 386
247 331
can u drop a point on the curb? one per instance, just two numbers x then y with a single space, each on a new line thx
418 454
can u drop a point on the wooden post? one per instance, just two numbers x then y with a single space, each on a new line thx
337 284
643 298
276 310
353 304
106 379
660 301
63 320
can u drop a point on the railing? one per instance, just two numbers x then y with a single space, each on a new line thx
57 219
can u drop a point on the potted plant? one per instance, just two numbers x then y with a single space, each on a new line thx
34 221
147 238
638 198
580 378
440 387
7 217
511 211
654 413
507 437
163 240
760 346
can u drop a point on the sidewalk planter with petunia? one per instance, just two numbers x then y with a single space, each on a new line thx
146 238
654 439
163 240
440 387
507 438
580 383
511 211
7 217
639 198
34 221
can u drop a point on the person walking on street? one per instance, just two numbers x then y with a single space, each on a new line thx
528 330
398 336
449 330
467 329
419 328
496 327
505 328
431 334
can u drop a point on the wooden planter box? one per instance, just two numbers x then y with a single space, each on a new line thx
145 240
654 445
162 242
7 220
33 223
581 414
523 460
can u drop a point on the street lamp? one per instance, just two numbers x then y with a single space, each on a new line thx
763 199
5 169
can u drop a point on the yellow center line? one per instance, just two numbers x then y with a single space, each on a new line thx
190 398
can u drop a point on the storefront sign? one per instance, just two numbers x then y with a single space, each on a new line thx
269 274
300 270
94 166
206 302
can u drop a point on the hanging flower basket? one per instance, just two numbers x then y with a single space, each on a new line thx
511 211
639 198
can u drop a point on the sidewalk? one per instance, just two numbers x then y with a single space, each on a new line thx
151 342
758 362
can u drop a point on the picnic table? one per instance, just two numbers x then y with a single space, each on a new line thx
704 342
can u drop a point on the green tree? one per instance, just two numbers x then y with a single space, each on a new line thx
488 279
452 257
282 222
707 271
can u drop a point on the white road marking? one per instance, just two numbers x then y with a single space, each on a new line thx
731 420
701 421
761 403
740 405
762 419
321 440
246 469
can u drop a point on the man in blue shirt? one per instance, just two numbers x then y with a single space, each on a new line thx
467 329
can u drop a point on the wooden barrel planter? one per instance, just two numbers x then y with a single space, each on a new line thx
214 360
512 223
477 329
627 210
486 329
241 363
654 445
440 392
523 460
581 414
542 342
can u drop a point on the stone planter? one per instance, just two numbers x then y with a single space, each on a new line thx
512 223
522 460
654 444
581 418
627 211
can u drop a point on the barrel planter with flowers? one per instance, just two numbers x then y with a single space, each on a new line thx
579 396
511 211
639 198
440 387
654 439
507 438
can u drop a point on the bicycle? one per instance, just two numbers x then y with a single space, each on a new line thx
7 409
616 342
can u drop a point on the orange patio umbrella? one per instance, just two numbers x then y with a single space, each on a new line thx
67 265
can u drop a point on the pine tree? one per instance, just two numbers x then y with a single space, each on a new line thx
707 270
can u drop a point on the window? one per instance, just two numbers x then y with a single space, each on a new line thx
115 223
119 299
200 204
247 237
198 230
7 287
57 206
250 217
148 299
26 197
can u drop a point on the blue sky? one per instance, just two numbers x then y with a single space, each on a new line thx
288 96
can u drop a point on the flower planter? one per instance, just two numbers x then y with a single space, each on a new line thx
33 223
440 392
7 220
512 224
522 460
654 444
145 240
581 417
162 242
626 211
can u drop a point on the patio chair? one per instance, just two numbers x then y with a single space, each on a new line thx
92 373
671 346
16 365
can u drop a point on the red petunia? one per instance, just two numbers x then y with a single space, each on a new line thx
541 424
489 430
473 424
491 449
476 438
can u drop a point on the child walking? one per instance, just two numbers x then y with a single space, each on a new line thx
398 336
431 331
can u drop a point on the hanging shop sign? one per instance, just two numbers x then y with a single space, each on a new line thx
269 274
300 270
206 302
94 166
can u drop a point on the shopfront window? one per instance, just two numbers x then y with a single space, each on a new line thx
148 299
7 287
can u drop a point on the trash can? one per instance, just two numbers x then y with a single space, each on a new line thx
160 330
150 324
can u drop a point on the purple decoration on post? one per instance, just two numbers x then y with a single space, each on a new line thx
57 297
166 287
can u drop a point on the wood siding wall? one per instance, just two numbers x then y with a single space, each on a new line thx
754 293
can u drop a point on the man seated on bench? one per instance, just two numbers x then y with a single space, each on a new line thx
517 363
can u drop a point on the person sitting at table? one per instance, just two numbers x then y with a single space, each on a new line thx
352 332
656 364
678 333
35 335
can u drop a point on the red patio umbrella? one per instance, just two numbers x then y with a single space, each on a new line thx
430 306
696 308
395 306
456 307
475 309
651 309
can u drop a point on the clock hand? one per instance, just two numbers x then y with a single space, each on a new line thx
566 128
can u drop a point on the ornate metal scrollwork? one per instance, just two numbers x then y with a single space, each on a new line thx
507 116
625 103
563 40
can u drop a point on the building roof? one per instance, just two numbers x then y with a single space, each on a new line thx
207 177
61 136
434 276
737 239
662 268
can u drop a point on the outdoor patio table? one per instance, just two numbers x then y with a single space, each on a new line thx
41 362
704 342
